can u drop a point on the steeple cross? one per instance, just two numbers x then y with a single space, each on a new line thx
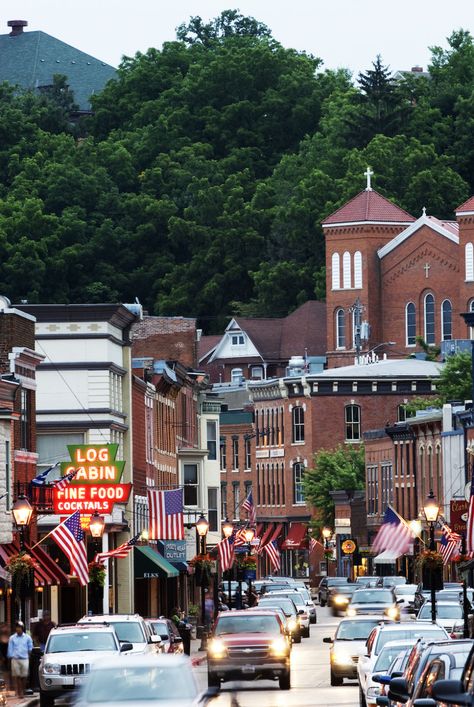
368 174
426 268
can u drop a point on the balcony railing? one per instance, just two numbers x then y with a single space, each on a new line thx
40 497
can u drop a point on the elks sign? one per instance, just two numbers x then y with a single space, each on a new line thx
96 486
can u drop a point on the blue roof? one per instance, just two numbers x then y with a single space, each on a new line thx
31 59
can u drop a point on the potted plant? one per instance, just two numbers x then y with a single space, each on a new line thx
21 568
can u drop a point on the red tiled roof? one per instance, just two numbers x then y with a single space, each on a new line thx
369 206
448 225
467 206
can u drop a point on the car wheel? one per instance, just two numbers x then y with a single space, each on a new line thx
362 701
306 633
212 681
313 619
46 700
335 681
297 638
285 681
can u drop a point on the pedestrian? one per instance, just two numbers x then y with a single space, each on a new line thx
20 646
209 609
238 598
41 630
252 599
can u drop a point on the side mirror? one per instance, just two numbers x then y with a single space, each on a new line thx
451 692
177 639
155 639
300 612
381 679
126 647
398 690
382 700
328 639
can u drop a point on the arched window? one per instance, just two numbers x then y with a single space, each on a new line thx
346 270
410 324
298 474
471 309
469 256
352 421
429 319
446 320
340 329
358 269
297 416
336 271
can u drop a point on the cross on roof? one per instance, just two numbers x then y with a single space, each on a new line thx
368 173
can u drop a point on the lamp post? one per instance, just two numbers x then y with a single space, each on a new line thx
249 534
228 529
22 512
96 596
202 527
431 511
327 532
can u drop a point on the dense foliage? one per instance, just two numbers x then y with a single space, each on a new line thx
201 180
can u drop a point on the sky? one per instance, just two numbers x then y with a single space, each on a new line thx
343 33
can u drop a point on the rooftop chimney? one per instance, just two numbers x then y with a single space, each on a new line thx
17 27
417 69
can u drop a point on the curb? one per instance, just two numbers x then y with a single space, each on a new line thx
198 660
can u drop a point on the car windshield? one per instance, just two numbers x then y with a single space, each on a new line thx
285 604
160 628
333 581
247 624
368 596
72 642
139 684
355 630
403 589
388 655
393 581
430 633
443 611
128 631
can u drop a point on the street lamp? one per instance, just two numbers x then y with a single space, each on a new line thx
228 529
202 527
249 534
327 532
96 596
22 511
97 527
431 511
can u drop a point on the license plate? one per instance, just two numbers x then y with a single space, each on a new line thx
79 681
248 669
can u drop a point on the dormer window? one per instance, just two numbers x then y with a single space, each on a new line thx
237 339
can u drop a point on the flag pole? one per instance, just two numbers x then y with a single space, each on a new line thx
51 531
407 525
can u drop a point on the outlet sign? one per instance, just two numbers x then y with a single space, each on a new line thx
96 487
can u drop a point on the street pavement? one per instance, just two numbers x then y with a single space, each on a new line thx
309 679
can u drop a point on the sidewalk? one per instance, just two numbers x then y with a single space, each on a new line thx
27 701
197 657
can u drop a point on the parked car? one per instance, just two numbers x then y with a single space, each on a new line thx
454 691
130 628
324 586
383 633
446 665
396 669
348 645
144 680
248 645
69 655
169 634
387 656
374 601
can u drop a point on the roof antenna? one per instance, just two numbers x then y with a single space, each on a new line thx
368 174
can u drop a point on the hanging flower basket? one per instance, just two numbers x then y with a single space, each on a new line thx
202 566
248 562
21 568
97 573
431 560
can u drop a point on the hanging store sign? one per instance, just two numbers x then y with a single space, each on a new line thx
458 515
96 487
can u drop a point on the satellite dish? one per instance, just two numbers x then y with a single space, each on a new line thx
4 303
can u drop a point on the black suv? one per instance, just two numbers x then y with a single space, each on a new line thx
325 586
456 692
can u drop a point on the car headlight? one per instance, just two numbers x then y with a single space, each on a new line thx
351 612
216 648
392 612
341 658
373 691
292 624
52 668
340 599
279 647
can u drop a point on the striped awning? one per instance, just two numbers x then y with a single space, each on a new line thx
47 572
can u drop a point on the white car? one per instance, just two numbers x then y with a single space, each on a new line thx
387 655
130 628
303 613
405 594
449 615
381 635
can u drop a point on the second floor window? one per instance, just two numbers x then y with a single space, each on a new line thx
236 499
352 420
190 479
212 509
236 375
211 439
235 453
298 474
223 501
248 455
223 451
297 415
24 420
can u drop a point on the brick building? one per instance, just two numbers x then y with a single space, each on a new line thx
391 277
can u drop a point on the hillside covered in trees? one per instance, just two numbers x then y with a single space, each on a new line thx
199 183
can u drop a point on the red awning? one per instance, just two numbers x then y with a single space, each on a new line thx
296 537
276 532
46 570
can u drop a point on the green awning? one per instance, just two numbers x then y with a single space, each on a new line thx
149 564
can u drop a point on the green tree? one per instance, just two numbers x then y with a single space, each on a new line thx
230 23
342 468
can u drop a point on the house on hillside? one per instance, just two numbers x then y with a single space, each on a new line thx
261 348
30 60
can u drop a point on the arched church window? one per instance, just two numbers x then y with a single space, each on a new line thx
429 319
446 320
346 270
340 329
358 269
336 271
410 324
469 256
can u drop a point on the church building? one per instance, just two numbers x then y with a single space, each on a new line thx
392 278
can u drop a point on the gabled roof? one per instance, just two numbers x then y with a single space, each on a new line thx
448 229
30 60
466 207
368 207
207 344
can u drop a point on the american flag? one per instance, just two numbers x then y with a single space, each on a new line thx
312 544
470 519
274 555
120 551
226 553
394 534
70 538
239 537
40 480
166 515
249 506
450 544
65 480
